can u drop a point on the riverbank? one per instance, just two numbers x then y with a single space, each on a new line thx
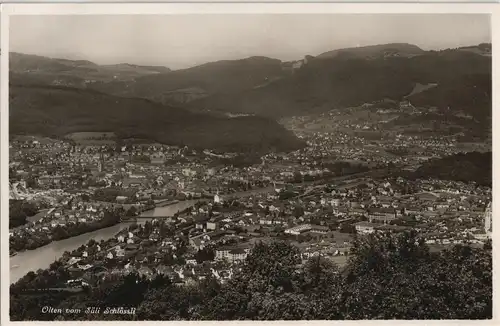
165 202
42 257
74 231
83 228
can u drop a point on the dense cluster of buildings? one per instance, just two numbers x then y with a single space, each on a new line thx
294 197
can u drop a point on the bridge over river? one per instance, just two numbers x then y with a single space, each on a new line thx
41 258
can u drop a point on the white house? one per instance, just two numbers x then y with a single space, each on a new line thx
365 227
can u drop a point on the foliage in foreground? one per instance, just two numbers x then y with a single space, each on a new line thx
388 277
19 210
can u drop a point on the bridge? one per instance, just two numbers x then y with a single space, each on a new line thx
161 217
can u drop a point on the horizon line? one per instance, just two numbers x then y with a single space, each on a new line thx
245 58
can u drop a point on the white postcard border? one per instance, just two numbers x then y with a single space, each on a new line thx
233 8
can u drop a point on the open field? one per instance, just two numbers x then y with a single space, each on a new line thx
340 261
419 88
92 138
91 135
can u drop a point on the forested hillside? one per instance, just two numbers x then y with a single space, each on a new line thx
387 277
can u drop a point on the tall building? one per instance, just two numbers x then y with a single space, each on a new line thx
488 219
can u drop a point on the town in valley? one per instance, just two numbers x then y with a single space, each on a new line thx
352 184
317 197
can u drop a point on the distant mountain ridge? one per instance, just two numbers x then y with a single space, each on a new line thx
334 79
481 49
375 51
463 83
52 68
220 77
159 69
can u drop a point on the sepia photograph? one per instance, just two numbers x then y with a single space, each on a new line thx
262 166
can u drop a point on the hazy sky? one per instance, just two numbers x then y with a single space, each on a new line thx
180 41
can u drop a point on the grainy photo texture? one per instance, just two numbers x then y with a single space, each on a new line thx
250 167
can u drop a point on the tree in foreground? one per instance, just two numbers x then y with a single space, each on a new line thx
387 277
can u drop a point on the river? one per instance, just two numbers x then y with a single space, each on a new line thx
169 210
32 260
